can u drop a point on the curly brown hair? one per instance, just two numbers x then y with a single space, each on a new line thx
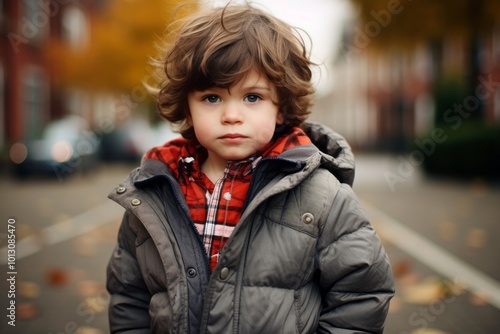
218 47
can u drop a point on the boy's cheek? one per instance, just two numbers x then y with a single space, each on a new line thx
264 135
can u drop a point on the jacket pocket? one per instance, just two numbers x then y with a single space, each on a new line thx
279 256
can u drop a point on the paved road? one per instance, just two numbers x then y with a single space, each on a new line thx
443 239
65 233
67 230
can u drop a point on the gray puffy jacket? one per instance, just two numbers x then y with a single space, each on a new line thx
303 258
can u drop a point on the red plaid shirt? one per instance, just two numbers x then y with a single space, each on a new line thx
216 208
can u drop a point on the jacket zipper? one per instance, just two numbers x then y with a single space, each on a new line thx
194 229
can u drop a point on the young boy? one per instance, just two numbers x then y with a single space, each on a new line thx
246 224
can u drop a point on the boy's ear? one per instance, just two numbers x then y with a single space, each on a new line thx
280 119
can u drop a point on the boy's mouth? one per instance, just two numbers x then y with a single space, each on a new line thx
232 136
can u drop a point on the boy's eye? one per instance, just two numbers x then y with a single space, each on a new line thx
211 99
252 98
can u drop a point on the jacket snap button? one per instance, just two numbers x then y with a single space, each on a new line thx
224 273
136 202
191 272
307 218
121 190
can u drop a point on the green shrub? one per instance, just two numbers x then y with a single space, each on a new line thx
471 150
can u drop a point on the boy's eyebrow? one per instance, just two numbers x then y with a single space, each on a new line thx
262 87
250 87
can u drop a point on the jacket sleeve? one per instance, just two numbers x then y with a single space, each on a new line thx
355 276
129 296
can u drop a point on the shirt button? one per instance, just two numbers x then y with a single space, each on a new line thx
191 272
136 202
121 190
224 273
307 218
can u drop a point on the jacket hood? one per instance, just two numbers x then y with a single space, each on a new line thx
337 155
329 150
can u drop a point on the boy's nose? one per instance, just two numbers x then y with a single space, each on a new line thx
231 114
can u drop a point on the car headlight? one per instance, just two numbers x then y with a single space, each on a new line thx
62 151
18 153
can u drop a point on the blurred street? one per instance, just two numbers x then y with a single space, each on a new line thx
66 231
65 234
420 77
442 238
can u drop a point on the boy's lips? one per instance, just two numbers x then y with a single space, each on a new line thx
232 136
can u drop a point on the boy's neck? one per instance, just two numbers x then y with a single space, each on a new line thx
212 170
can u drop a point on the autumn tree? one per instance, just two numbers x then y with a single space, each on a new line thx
123 39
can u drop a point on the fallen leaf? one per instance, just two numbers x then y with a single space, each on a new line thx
447 230
90 288
453 287
107 234
409 279
23 231
88 330
478 298
476 238
57 276
395 305
401 267
425 292
28 289
95 304
27 311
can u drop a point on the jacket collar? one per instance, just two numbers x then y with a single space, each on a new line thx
329 150
336 154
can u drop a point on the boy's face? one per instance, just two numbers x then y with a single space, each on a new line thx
234 123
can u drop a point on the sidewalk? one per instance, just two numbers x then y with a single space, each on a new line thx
442 237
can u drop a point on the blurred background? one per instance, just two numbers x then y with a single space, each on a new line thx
414 86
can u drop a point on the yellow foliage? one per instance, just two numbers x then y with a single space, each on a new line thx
123 39
411 21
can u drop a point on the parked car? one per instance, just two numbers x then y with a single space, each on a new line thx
123 144
129 141
66 146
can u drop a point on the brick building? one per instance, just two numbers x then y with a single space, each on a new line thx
28 97
383 98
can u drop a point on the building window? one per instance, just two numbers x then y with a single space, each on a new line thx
35 22
74 27
35 97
